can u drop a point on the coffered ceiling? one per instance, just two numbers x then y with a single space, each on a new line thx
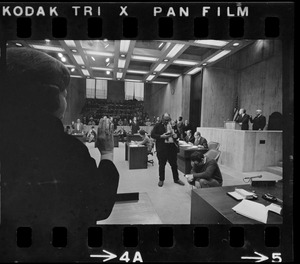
154 61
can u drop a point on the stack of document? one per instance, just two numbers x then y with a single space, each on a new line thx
256 211
240 194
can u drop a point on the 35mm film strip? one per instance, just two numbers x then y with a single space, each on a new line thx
217 238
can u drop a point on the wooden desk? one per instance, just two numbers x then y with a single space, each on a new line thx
129 139
214 205
184 158
116 141
133 212
137 157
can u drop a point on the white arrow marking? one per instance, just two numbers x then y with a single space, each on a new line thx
107 257
259 259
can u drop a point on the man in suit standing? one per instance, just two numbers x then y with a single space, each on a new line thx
166 148
243 119
259 121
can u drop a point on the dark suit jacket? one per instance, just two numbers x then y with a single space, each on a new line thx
202 141
156 132
50 180
135 128
244 120
259 122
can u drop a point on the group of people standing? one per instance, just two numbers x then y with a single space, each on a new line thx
243 119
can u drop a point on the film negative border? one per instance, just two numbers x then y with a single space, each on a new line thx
152 21
151 243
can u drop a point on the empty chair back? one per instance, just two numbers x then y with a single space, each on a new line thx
213 154
213 145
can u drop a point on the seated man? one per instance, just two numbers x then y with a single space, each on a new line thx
189 137
205 172
200 141
78 127
146 140
122 134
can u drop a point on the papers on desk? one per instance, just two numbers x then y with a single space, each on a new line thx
256 211
133 145
240 194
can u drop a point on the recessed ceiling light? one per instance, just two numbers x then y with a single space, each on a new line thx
150 77
143 58
107 64
185 62
51 48
154 73
93 58
212 42
73 69
160 82
219 55
166 60
236 44
85 72
123 55
63 59
160 45
119 74
170 74
160 67
124 46
107 60
137 72
193 71
105 40
78 59
132 80
74 50
60 55
204 64
175 50
47 40
107 72
101 69
99 53
70 43
82 67
19 44
121 63
106 46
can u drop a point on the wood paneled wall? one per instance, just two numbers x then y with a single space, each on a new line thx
218 96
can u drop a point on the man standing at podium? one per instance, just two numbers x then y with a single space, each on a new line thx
243 119
259 121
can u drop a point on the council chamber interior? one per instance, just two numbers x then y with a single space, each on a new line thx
203 81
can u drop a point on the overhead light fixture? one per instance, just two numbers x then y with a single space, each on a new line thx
185 62
154 73
93 58
73 69
150 77
103 78
235 44
124 46
160 82
47 40
204 64
78 59
123 55
63 59
70 43
105 40
132 80
170 74
107 64
143 58
101 69
166 60
75 76
19 44
107 60
160 67
137 72
121 63
219 55
74 50
50 48
212 42
193 71
106 46
175 50
107 72
119 75
60 55
99 53
85 72
160 45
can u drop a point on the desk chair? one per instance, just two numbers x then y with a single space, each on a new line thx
213 154
213 145
151 153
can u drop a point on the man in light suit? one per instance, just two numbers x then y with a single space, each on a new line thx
78 127
259 121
